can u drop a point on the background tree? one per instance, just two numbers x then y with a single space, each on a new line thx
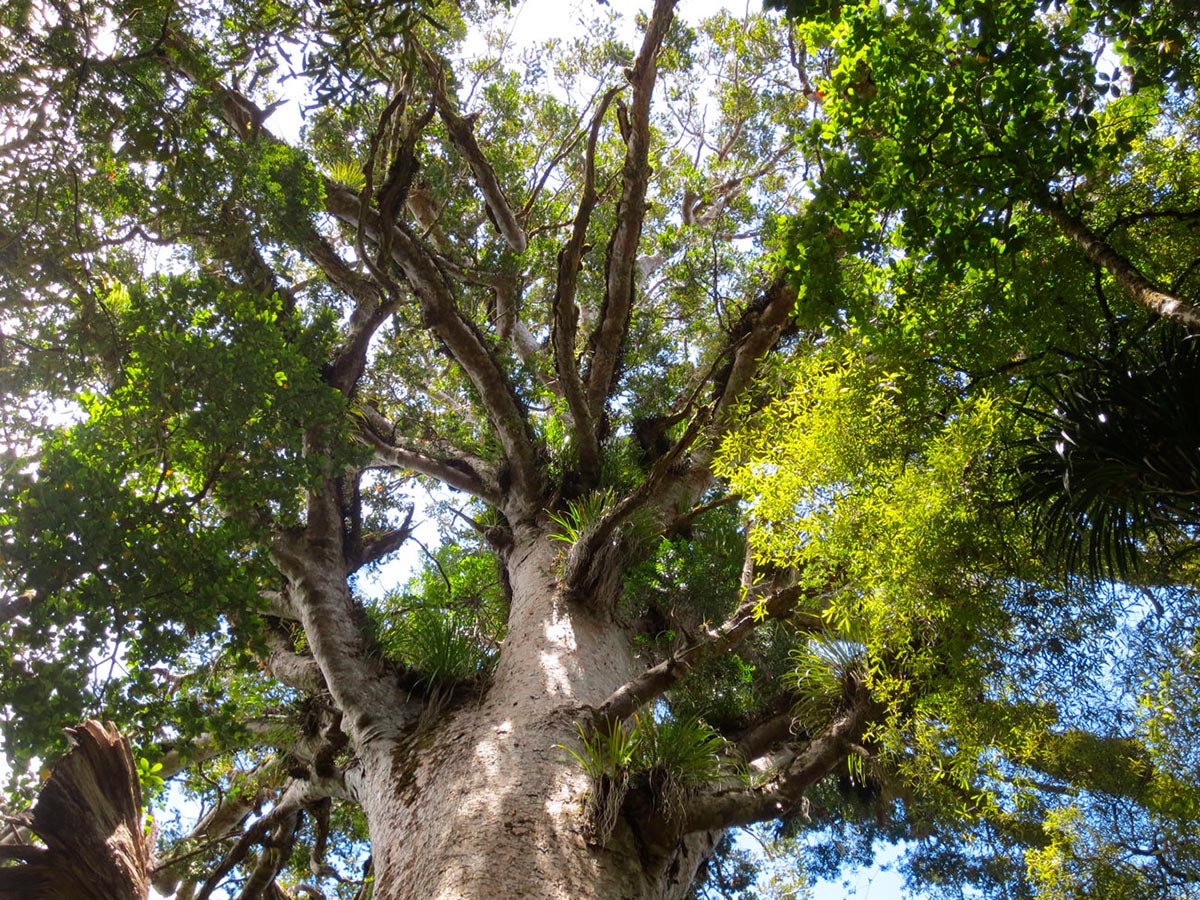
542 298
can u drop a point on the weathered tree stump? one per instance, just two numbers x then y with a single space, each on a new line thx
89 814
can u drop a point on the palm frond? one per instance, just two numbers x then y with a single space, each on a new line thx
1120 459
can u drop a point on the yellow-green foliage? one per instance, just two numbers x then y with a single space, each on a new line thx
880 487
857 470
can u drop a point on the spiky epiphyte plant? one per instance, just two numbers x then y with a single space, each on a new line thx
676 755
606 755
1120 460
438 646
828 670
671 757
581 515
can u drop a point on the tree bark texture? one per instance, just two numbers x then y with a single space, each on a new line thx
483 800
89 814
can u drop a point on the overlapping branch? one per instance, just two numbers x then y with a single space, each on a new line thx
566 312
756 332
753 336
456 469
375 547
458 333
729 808
275 831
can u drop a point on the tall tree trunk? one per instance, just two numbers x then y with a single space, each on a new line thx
483 801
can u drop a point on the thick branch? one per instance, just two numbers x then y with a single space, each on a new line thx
621 259
742 806
760 738
462 133
585 555
752 337
275 852
293 669
755 333
350 358
659 679
264 732
458 470
364 291
1123 271
376 547
357 679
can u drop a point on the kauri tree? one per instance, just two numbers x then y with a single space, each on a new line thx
750 376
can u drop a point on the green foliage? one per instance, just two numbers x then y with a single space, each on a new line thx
1118 463
605 755
828 670
670 757
581 516
170 336
148 776
431 642
447 623
676 756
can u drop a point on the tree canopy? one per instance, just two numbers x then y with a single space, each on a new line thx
800 411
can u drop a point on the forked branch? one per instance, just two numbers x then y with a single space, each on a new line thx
461 338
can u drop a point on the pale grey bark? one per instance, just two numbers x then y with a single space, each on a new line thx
1122 269
471 795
